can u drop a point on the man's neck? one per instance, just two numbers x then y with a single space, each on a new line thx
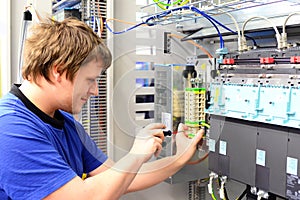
40 95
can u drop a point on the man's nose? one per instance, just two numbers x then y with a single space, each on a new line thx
94 89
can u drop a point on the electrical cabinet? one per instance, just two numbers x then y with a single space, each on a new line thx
254 87
176 103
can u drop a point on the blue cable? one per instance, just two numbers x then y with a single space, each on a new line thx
169 1
210 19
193 8
188 8
219 23
124 31
151 22
137 25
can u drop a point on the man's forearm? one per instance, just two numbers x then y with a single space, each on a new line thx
118 177
110 184
154 172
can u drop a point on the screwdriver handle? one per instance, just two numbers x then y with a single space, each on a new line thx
167 133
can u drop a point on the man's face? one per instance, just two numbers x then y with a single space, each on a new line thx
85 84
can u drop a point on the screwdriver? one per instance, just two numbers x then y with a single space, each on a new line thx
167 133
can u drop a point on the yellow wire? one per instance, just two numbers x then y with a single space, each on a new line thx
165 4
199 125
183 3
161 4
205 124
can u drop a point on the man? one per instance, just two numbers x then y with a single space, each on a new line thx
44 151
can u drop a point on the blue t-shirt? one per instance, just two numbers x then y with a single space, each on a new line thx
40 154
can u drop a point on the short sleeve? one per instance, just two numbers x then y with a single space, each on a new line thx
92 155
30 167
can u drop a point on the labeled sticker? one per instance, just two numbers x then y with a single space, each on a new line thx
292 166
166 119
212 145
223 147
261 157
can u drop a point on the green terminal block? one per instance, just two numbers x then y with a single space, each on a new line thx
194 106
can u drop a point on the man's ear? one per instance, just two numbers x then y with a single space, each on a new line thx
56 73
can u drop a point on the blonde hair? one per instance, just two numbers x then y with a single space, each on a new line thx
69 44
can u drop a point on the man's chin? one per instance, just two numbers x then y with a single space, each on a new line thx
73 111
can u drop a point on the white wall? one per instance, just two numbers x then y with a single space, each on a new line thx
5 46
11 17
17 9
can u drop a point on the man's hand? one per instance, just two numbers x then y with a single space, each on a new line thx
185 146
148 141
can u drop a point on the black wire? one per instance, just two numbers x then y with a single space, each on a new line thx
225 193
219 181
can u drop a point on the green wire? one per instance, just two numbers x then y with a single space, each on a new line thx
183 3
161 6
205 124
213 196
167 4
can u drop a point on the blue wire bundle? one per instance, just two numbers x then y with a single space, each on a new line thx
151 21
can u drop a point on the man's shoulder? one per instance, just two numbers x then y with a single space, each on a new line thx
10 104
13 112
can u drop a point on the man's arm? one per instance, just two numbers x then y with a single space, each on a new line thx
155 172
113 181
108 185
152 173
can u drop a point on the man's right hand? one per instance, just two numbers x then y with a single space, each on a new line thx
148 141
